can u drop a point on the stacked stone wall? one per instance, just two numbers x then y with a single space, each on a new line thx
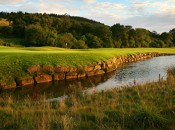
41 74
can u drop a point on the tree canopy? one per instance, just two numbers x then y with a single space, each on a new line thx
37 29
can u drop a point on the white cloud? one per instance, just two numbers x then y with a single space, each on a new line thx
151 14
89 1
72 1
44 7
58 9
166 7
108 5
138 8
152 7
141 4
10 2
105 10
160 23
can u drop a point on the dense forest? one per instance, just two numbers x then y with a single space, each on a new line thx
36 29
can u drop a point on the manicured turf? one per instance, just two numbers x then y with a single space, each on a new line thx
15 61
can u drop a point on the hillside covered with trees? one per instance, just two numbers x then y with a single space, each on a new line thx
36 29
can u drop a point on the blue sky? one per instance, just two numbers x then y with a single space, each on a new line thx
158 15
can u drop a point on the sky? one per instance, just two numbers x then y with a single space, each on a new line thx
154 15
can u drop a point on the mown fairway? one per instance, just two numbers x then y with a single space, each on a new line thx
15 61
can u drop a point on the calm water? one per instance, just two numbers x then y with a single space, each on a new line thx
142 72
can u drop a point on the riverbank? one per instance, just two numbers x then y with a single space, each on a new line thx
148 106
23 66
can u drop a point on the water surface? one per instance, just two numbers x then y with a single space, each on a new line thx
150 70
141 72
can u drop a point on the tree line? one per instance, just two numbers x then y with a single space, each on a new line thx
37 29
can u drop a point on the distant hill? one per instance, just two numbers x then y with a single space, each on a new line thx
41 29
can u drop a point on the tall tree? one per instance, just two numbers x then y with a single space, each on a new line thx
35 35
143 37
167 38
173 33
120 34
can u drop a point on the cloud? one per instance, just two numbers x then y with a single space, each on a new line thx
89 1
167 7
141 4
72 1
105 12
57 8
11 2
155 15
106 8
48 7
160 23
152 7
138 8
108 5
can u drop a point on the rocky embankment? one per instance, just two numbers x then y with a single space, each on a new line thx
41 74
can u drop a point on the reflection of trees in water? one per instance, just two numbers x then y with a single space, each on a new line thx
59 88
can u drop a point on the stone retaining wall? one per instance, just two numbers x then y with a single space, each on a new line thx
49 73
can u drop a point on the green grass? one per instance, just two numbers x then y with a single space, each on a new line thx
149 106
16 60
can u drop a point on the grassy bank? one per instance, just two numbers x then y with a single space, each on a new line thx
16 61
149 106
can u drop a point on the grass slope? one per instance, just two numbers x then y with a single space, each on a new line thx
16 60
149 106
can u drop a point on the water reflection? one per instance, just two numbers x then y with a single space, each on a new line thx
140 72
58 88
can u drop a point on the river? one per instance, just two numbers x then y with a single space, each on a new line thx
150 70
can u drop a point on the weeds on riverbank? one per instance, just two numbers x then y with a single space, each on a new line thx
149 106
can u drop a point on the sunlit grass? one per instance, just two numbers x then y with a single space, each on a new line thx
113 51
16 60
